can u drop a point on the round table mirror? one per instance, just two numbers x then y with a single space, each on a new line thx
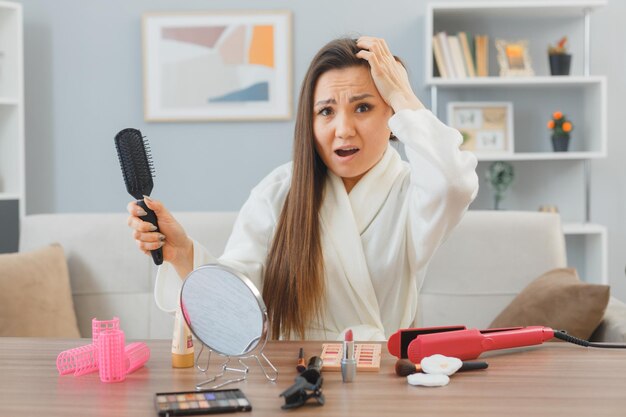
224 310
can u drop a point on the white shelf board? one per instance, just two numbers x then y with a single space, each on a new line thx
9 196
9 5
583 229
520 9
542 81
542 156
8 101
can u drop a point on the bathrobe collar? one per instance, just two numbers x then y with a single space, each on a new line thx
345 217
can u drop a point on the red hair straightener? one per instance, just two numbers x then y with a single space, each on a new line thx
462 343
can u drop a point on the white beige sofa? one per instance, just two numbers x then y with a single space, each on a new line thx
488 259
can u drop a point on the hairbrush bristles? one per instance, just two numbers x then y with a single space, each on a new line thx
136 162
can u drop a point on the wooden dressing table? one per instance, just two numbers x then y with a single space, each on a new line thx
552 379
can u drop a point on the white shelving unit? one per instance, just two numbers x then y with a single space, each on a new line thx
590 240
587 92
11 111
581 96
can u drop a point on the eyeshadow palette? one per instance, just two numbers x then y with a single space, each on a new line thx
188 403
367 356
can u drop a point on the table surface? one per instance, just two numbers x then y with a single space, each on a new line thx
552 379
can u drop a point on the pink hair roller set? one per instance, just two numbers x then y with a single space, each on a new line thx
106 354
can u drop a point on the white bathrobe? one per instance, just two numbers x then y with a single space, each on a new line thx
376 241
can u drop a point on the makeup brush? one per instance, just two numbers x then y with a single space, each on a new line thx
301 367
405 367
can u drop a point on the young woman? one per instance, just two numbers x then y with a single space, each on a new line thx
341 237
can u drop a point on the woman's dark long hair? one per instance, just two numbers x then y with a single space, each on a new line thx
293 288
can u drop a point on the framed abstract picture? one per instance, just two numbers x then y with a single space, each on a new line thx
486 127
217 66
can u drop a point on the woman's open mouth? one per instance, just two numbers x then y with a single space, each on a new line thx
346 152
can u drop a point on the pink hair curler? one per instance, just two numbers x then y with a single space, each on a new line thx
98 326
111 359
106 354
81 360
136 355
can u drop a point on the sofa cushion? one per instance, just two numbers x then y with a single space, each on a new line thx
487 260
613 326
109 276
557 299
36 299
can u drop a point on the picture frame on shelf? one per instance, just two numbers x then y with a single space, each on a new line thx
486 127
513 58
217 66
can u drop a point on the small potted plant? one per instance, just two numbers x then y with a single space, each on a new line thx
500 176
560 60
561 128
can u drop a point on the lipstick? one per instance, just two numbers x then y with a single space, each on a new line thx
348 363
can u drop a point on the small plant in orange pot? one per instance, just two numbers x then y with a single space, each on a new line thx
561 128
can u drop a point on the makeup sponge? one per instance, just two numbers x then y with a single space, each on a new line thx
440 364
428 380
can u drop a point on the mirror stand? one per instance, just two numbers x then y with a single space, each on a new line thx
224 367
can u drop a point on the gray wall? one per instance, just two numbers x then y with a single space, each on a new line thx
84 83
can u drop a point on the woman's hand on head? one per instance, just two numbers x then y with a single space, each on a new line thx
390 77
177 247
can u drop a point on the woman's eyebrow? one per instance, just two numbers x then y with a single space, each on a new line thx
325 102
351 99
360 97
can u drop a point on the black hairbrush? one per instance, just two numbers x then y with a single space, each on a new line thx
134 154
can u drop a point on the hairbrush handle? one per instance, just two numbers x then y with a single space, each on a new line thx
157 254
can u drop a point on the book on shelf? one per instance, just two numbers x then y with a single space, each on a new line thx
440 64
457 56
467 54
482 55
442 40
